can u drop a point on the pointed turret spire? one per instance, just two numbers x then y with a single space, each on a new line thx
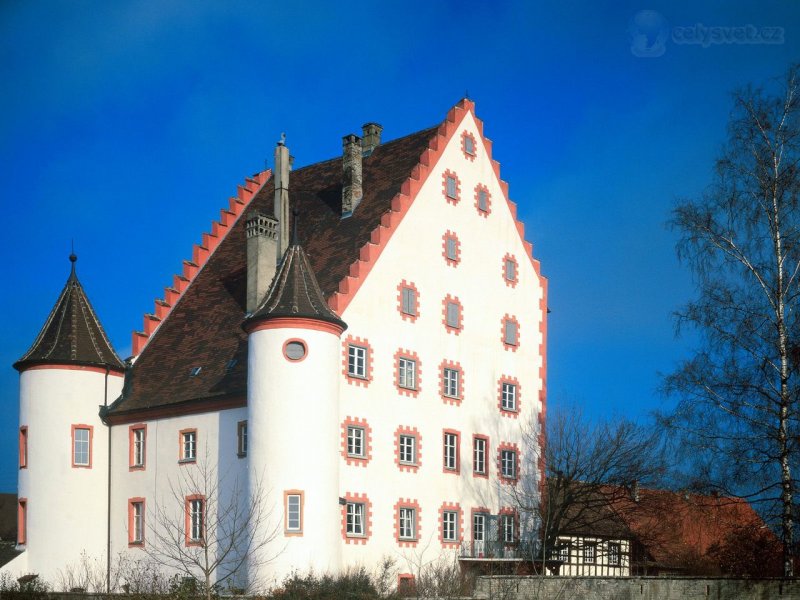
295 292
72 333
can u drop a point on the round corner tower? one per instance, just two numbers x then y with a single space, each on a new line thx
67 375
293 412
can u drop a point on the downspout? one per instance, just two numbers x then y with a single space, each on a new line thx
108 492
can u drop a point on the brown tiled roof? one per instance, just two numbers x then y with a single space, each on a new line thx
204 328
72 333
295 292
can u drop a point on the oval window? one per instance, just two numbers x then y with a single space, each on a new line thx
295 350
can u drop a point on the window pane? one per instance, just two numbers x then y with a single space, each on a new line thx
452 314
482 200
293 512
409 301
451 187
511 333
451 248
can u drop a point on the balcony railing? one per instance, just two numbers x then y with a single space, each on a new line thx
495 549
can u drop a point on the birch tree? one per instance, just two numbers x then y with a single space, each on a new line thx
737 397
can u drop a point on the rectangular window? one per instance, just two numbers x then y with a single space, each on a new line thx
188 445
241 438
482 200
508 461
409 301
408 449
196 508
355 441
510 335
449 526
81 446
407 520
562 551
479 455
511 270
614 553
452 314
22 521
469 145
23 447
478 527
509 396
407 373
451 249
137 452
451 383
357 361
589 553
507 528
136 521
451 187
294 512
355 518
451 451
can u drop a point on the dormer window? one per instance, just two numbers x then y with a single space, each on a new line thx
195 371
231 363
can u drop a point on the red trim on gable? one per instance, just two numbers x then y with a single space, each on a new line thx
358 461
407 503
456 508
200 253
114 372
410 431
381 235
542 440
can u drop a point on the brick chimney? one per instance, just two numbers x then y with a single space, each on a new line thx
262 256
351 169
371 138
281 177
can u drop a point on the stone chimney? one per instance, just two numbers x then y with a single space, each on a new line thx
351 170
371 138
262 256
281 177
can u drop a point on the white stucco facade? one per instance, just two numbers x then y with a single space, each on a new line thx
378 435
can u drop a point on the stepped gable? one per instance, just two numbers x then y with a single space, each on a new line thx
295 293
72 334
205 328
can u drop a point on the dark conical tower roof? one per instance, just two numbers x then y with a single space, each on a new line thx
72 333
295 291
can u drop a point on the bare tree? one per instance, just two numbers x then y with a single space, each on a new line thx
737 396
208 527
589 467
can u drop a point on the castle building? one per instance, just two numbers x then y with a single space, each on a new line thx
351 366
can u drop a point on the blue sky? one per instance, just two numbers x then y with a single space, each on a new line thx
126 125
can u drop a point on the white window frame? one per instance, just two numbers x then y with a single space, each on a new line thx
590 553
508 463
409 301
508 528
137 522
80 446
479 455
614 554
356 438
357 361
407 373
294 510
453 314
478 527
452 186
139 441
407 447
189 445
509 396
354 519
452 382
196 517
450 526
450 451
563 551
407 519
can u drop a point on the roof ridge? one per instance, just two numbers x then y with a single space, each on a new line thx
200 255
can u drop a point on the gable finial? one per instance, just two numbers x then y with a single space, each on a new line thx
72 258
